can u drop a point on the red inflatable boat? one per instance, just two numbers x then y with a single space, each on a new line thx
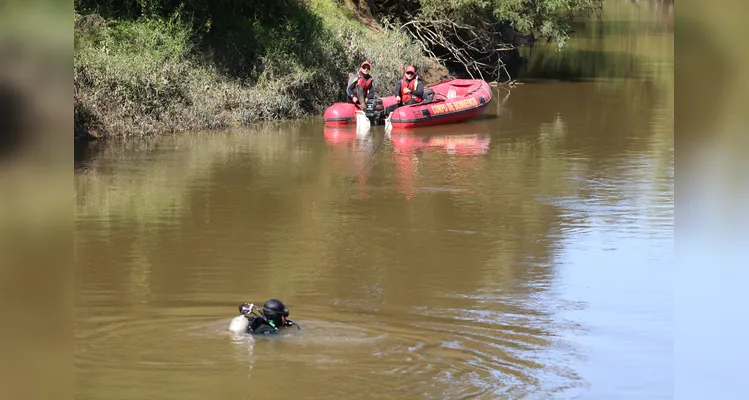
454 101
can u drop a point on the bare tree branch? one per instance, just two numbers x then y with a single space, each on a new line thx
474 47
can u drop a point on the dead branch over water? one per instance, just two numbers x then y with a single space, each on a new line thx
482 37
468 45
479 49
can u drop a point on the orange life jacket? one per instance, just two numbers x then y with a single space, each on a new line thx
405 97
366 84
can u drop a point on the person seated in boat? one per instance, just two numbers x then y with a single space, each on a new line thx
409 90
268 321
361 86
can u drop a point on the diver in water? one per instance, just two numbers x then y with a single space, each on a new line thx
270 320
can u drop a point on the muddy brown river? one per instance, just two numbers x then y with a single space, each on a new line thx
526 254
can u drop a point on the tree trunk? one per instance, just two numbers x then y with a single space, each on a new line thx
363 10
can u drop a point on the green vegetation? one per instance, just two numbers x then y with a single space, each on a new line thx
547 19
143 67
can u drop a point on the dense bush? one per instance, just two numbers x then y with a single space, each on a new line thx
148 67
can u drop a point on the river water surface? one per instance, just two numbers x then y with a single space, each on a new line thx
526 254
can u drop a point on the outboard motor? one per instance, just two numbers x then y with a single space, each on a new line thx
375 111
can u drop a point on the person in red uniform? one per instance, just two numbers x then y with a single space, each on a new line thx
361 86
409 90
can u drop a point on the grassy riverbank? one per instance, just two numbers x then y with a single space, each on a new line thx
139 74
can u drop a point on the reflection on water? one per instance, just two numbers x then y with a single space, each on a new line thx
521 255
451 144
408 154
627 43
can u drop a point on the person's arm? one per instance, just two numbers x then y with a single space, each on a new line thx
350 89
371 94
254 324
397 91
266 330
259 327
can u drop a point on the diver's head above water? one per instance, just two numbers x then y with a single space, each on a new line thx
274 310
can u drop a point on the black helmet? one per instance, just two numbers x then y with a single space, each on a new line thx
274 309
